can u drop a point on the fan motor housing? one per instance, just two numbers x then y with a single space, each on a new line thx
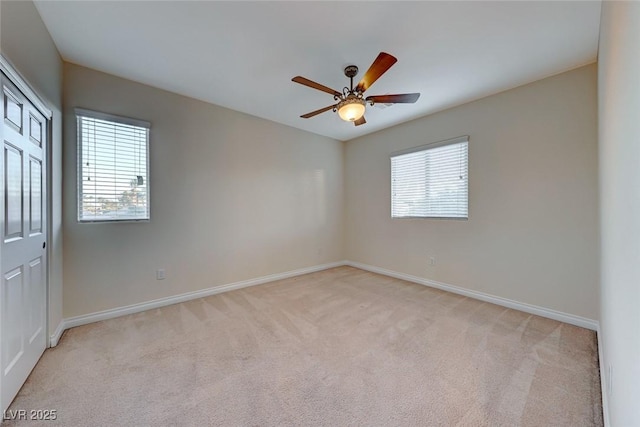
350 71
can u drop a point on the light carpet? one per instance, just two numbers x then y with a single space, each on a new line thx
341 347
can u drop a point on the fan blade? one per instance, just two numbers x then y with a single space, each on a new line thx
405 98
360 121
383 62
312 84
315 113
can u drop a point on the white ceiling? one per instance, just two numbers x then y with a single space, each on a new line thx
242 55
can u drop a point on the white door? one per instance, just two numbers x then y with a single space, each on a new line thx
22 240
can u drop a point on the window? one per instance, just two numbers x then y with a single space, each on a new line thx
431 181
113 168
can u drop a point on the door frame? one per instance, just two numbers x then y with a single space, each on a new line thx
15 77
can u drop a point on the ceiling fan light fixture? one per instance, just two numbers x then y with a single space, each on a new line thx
351 103
351 109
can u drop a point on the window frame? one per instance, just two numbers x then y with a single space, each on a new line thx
425 147
91 114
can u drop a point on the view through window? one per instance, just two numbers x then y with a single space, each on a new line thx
431 181
113 168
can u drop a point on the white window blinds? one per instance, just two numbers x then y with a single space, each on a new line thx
431 181
113 167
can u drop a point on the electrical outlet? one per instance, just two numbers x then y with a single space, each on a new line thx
160 274
432 260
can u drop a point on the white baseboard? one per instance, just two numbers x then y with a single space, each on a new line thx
55 337
604 376
137 308
162 302
527 308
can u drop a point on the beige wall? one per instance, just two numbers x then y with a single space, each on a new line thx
619 142
532 233
233 197
25 41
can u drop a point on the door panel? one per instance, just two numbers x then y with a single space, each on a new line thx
23 133
13 110
13 207
35 196
13 347
35 315
35 130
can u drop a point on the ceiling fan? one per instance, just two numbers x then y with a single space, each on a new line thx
351 102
